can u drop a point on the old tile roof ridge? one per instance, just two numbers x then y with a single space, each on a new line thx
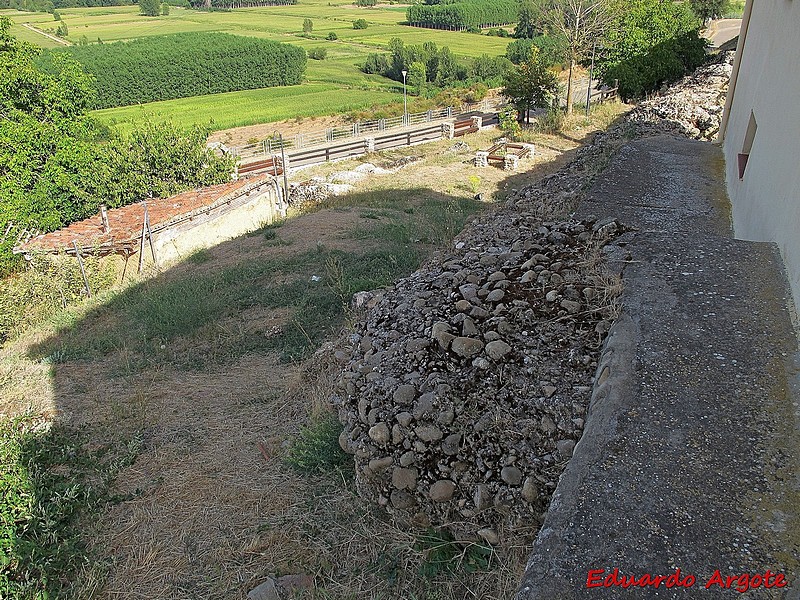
126 221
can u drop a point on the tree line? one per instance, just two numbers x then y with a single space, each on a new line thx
182 65
428 66
464 15
57 165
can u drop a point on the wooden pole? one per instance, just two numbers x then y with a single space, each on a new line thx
285 176
141 244
150 236
83 271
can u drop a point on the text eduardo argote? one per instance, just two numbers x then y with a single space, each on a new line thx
600 578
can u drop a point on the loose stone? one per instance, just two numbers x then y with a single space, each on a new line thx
442 490
467 347
379 433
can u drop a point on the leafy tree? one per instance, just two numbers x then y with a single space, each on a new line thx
332 36
318 53
579 23
150 8
707 10
530 85
308 25
552 49
650 43
376 63
366 2
417 77
165 9
360 24
529 17
62 30
56 16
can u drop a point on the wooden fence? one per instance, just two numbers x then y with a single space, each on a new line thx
350 148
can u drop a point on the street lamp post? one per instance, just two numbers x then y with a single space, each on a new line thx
405 105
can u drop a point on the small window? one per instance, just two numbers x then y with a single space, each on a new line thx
749 137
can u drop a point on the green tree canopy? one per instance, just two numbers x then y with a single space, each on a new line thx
530 85
150 8
709 9
650 43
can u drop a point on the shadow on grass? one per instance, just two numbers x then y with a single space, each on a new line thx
60 479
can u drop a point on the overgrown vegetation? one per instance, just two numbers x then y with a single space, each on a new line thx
58 165
650 43
52 481
183 65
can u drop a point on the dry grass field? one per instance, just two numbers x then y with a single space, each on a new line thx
174 433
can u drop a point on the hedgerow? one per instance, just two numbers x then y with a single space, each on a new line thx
464 15
184 65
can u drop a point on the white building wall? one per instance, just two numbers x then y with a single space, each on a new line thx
766 201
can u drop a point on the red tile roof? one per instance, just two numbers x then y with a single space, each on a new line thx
126 222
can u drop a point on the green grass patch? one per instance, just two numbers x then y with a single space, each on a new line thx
53 482
234 109
316 449
444 556
188 319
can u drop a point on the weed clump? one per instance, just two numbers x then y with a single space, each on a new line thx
317 449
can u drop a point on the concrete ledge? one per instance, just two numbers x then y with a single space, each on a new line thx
691 452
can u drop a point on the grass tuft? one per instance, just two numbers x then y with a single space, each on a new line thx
317 450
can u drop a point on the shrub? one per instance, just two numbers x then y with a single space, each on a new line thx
318 53
366 2
376 63
360 24
308 25
332 36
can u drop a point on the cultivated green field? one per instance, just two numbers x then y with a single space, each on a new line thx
341 68
223 111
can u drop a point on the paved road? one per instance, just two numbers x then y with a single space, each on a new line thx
722 30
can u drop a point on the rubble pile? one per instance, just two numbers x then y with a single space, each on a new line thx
464 387
691 107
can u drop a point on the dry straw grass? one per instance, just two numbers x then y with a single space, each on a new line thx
209 508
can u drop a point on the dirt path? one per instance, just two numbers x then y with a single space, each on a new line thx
47 35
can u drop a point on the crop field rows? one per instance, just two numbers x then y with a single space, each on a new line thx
333 85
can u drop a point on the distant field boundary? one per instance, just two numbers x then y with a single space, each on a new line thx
47 35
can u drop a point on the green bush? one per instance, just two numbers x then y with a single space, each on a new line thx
318 53
360 24
651 43
184 65
332 36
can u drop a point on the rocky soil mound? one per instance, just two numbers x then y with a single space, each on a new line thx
464 387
